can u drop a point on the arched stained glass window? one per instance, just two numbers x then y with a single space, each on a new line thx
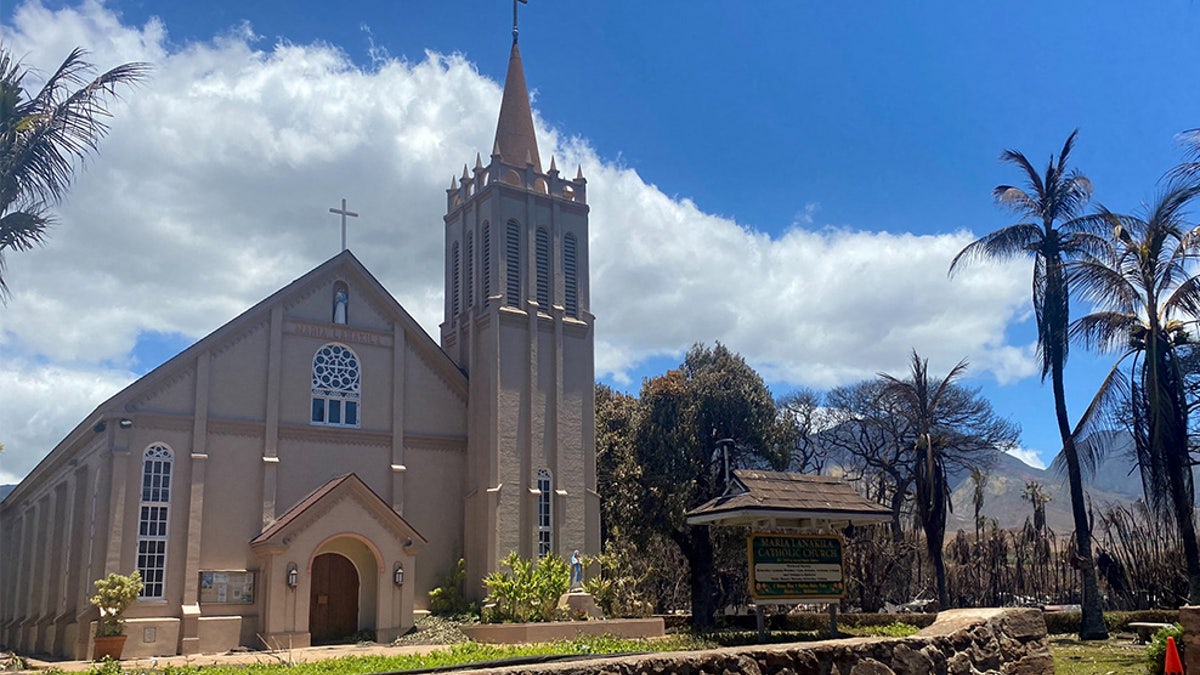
153 519
336 386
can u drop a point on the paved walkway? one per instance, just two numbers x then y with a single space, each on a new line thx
242 658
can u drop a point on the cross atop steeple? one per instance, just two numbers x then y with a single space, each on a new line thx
524 2
515 138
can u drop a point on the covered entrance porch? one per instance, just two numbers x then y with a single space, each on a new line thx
334 569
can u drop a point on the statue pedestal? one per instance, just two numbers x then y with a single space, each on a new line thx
578 604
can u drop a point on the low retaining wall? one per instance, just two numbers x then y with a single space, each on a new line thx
512 633
1006 641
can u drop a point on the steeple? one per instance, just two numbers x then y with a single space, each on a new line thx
514 131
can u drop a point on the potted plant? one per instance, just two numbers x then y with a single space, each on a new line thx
114 594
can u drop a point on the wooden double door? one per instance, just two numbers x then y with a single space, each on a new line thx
333 600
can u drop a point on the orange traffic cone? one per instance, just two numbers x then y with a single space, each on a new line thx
1172 665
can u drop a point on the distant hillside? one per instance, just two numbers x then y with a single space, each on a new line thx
5 489
1113 484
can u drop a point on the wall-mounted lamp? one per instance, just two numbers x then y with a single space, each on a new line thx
100 426
125 423
398 575
293 576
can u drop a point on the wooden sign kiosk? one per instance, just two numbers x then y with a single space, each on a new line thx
794 550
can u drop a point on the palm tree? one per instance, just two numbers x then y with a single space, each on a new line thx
1146 297
1048 207
918 399
41 137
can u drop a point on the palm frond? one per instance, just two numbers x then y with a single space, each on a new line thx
1031 174
1007 242
1100 417
22 230
1105 331
1189 169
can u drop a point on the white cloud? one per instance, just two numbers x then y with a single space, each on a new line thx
212 191
1028 455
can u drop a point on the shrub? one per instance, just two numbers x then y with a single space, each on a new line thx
1156 651
114 594
894 629
616 588
449 599
1059 623
529 591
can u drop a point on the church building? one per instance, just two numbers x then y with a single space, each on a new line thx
313 468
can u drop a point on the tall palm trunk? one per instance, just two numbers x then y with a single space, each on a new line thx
1092 626
1171 431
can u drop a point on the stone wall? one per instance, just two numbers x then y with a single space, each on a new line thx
1189 618
966 641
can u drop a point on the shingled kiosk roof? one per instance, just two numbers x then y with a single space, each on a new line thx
755 496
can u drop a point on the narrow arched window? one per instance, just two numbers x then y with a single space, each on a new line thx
487 261
542 252
469 264
512 256
153 519
336 386
545 523
454 281
570 277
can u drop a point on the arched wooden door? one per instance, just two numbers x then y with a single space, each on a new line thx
333 600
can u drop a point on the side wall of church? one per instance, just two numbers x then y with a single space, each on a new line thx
54 528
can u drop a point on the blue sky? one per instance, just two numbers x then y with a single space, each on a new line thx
815 165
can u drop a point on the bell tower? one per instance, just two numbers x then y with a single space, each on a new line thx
518 322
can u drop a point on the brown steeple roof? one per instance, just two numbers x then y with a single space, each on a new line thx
515 138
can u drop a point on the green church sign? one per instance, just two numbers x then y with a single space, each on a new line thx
795 567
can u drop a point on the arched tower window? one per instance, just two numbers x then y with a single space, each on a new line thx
487 261
153 518
542 251
545 485
571 278
336 386
469 264
512 256
454 280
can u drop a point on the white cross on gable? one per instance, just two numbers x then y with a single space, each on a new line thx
344 213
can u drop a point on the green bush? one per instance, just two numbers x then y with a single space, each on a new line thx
894 629
1059 623
615 589
1156 651
819 621
529 591
449 599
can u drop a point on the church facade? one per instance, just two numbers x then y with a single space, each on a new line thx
313 468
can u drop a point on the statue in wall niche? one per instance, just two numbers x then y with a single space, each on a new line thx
341 298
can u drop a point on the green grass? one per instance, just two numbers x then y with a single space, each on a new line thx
467 652
1078 657
1071 656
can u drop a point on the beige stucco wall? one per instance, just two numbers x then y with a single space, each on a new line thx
220 425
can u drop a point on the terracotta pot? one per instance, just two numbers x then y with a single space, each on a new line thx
110 646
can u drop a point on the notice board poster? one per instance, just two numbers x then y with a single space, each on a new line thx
231 588
795 567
